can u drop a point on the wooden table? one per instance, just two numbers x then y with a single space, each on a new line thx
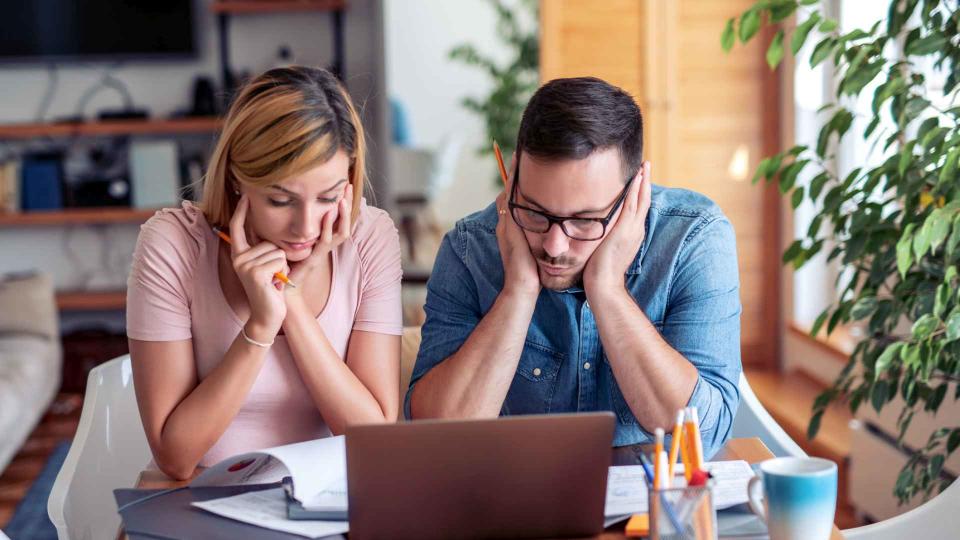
750 450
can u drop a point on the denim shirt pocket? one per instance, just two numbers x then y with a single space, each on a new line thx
536 380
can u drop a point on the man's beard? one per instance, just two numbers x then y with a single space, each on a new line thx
557 283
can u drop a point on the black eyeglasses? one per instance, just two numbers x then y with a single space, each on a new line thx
576 228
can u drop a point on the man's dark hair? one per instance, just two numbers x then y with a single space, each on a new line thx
572 118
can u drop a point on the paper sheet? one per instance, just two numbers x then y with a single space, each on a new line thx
268 509
314 465
627 489
334 497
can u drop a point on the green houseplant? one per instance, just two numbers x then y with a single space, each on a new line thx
513 83
896 226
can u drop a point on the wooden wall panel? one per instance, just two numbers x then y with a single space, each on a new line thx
701 107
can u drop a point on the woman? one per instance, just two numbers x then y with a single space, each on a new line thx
228 358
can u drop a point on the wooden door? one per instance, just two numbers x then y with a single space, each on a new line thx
709 118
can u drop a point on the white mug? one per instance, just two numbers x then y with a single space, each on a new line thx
800 497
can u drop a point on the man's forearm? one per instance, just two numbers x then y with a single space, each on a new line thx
473 382
655 379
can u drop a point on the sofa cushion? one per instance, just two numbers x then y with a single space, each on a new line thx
28 306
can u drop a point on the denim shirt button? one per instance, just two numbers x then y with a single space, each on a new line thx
536 372
586 365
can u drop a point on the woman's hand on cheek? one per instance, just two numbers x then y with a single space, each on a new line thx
335 228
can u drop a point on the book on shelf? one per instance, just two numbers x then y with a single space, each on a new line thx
10 186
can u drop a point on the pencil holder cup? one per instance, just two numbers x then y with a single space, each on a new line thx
683 513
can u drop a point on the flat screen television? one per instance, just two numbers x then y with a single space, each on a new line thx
96 30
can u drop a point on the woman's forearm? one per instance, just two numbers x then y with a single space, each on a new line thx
198 422
338 393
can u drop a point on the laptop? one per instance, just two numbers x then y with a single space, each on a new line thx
540 476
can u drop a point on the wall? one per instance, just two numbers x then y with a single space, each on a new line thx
420 76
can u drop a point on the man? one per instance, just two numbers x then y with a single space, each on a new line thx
584 287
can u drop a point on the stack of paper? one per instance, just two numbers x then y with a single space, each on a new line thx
627 487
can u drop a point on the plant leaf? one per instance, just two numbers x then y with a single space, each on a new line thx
925 326
814 426
802 31
879 395
864 307
791 253
817 324
816 185
954 441
822 50
949 170
926 45
905 250
789 175
921 242
953 326
939 228
906 157
749 24
797 197
775 51
727 39
886 359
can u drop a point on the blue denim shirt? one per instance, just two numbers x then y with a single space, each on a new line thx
684 278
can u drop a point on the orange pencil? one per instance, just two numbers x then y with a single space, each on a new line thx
503 170
675 445
279 275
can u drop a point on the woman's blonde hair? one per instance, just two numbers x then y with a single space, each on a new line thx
282 123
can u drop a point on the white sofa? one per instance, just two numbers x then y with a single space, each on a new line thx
30 358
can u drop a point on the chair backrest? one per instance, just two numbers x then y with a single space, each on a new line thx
752 420
936 519
409 345
108 452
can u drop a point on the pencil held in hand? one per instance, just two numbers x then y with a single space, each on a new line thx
279 275
503 170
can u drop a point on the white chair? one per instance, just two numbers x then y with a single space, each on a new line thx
938 518
108 452
752 420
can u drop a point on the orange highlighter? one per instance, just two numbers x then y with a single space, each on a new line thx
659 482
279 275
693 442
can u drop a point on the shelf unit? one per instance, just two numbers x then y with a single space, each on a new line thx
75 216
88 216
173 126
91 300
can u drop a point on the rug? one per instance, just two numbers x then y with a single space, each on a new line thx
30 520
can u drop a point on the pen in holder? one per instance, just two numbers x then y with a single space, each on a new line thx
683 513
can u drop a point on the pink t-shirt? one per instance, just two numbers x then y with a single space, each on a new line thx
173 293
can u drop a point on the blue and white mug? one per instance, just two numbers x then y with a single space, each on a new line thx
799 497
